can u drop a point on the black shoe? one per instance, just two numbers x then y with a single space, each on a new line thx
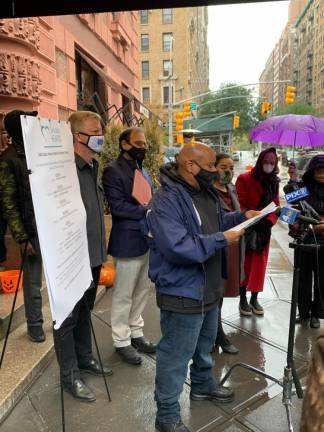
229 348
79 390
315 322
170 427
36 333
143 345
244 307
129 355
219 394
257 309
93 367
300 320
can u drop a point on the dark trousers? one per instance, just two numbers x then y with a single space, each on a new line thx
72 340
32 283
3 249
184 337
221 338
311 285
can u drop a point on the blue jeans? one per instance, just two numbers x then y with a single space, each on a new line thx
184 337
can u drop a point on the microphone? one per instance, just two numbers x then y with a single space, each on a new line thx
295 194
290 215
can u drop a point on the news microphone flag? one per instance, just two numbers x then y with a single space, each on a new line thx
297 195
289 215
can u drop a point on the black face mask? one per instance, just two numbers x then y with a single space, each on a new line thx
136 153
206 178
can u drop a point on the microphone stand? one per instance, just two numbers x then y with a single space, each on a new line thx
290 376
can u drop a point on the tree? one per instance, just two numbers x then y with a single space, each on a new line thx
154 138
297 108
240 100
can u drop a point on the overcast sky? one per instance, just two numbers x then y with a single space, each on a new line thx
240 39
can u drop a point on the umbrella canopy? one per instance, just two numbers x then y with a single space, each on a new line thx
291 130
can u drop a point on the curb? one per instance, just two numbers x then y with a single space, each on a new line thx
20 383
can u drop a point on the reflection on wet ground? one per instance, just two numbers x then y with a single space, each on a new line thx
262 342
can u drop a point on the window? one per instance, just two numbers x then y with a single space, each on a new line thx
144 16
166 95
167 68
88 83
167 16
145 70
145 44
167 41
146 94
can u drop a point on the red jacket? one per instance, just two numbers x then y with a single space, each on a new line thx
249 191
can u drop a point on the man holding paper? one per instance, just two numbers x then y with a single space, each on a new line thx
188 233
128 190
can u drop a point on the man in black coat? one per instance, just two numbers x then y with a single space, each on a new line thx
128 247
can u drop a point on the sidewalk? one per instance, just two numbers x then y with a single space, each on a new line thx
257 407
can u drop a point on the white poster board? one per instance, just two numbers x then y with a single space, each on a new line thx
59 211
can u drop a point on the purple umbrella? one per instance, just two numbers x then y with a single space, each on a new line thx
291 129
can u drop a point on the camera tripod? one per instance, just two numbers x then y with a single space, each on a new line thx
290 376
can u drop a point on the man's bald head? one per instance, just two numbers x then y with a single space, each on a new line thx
198 152
193 158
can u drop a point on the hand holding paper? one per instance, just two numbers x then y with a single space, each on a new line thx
270 208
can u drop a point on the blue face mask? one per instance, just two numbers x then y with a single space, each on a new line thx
96 142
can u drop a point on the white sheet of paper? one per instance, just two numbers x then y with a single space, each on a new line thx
59 211
270 208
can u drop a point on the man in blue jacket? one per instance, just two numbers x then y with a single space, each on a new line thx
128 247
188 234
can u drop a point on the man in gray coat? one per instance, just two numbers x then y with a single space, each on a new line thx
73 339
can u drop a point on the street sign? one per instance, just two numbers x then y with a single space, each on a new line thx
193 106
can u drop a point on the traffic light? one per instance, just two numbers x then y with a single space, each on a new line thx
186 109
179 126
265 108
236 121
179 121
179 139
290 95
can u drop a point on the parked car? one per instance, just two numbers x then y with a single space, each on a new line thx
303 162
170 152
235 156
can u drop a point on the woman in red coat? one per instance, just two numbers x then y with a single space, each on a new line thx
256 189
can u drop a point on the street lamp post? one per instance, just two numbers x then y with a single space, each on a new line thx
170 104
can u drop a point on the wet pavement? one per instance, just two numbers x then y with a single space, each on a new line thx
257 406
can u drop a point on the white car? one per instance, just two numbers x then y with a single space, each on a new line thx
235 156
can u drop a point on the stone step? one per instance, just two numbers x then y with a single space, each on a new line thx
24 361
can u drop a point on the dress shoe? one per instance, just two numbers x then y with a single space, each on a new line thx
170 427
36 333
143 345
129 355
315 322
79 390
229 348
244 307
257 309
93 367
300 320
219 394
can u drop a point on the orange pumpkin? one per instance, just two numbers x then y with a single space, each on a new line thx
9 280
107 275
